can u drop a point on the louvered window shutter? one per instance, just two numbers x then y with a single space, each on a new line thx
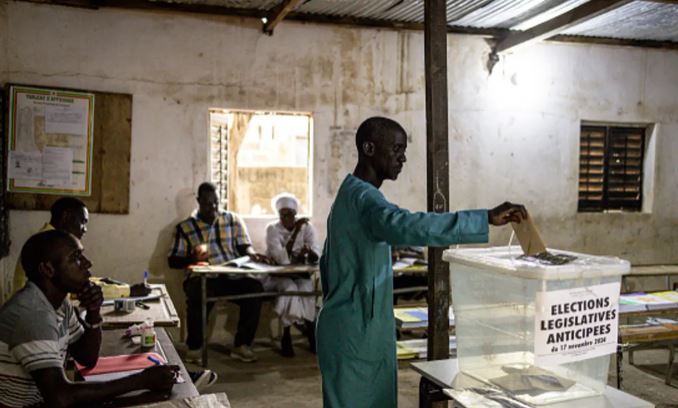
219 159
611 168
592 169
624 168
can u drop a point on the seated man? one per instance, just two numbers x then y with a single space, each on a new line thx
216 236
70 215
291 240
38 326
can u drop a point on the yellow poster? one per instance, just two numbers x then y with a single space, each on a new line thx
50 141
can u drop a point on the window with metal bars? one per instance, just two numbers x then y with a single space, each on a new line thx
256 155
611 168
219 157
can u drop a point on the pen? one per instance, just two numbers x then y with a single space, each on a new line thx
142 305
154 360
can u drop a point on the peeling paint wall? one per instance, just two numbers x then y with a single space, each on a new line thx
513 135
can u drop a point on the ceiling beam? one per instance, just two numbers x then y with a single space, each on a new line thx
346 21
552 27
664 1
543 7
558 24
156 6
665 45
278 14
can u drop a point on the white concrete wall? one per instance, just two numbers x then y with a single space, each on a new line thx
513 135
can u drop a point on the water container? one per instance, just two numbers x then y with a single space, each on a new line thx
544 333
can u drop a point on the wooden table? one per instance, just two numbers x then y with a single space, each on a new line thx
636 338
161 310
210 271
441 374
113 343
643 337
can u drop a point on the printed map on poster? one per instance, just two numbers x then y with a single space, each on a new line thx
576 324
50 141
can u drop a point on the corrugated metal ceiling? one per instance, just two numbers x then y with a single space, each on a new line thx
639 20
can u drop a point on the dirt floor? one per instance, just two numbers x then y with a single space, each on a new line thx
276 381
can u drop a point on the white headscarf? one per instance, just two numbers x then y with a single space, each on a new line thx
285 200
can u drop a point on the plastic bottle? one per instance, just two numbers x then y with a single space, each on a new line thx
148 336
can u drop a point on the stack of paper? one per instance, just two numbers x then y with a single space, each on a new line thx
405 263
641 301
415 317
245 262
417 348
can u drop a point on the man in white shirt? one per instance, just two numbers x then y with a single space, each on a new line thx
290 240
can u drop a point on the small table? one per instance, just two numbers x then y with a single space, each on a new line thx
633 338
114 343
208 271
445 374
642 337
161 310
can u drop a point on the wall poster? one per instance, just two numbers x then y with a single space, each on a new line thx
49 144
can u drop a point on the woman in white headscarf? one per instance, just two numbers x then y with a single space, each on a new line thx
291 240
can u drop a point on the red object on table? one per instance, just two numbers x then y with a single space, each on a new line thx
125 362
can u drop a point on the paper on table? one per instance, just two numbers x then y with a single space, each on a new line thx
529 237
114 367
245 262
125 362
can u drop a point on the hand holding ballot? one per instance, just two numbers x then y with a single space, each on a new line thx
505 213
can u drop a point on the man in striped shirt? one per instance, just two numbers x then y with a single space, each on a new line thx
38 327
215 236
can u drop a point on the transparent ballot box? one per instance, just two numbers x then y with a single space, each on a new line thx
541 332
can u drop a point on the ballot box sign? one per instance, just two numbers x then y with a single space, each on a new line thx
576 324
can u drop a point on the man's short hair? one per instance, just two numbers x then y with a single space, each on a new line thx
42 247
373 130
64 205
206 187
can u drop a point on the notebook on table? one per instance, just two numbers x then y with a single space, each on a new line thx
114 367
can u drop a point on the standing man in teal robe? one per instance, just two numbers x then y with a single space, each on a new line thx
356 328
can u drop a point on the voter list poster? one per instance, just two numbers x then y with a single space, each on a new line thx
576 324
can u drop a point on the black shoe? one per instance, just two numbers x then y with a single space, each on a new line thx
310 334
286 348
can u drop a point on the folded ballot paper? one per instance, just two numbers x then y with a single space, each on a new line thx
533 245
